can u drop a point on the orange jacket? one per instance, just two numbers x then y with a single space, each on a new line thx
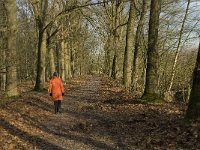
56 88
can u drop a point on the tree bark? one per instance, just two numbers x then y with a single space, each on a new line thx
72 57
62 61
52 61
11 61
128 53
3 68
107 57
152 52
68 74
41 61
3 45
137 46
113 72
40 10
193 111
113 41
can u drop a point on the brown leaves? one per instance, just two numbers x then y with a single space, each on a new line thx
96 114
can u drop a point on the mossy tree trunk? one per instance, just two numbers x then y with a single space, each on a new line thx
128 53
152 52
3 45
11 61
40 10
115 22
193 111
41 62
138 38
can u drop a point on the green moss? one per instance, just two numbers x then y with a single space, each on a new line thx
153 98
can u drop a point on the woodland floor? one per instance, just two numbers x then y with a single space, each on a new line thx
96 114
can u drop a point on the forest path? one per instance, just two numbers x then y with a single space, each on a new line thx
96 114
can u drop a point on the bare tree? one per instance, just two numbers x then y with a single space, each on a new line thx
178 48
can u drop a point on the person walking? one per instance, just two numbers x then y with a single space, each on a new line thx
56 90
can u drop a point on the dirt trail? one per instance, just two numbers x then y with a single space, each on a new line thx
96 114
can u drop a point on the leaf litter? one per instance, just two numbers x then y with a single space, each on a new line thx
97 113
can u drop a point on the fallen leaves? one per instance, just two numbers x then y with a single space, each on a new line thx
96 114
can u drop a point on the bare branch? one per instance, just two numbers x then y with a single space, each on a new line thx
59 15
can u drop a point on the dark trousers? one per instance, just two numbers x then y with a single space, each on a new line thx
57 106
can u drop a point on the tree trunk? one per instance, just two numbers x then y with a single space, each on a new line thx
152 52
69 64
115 32
2 69
193 111
57 59
128 53
113 72
62 60
52 61
40 10
68 74
115 57
3 45
11 61
137 45
178 48
107 57
72 57
40 79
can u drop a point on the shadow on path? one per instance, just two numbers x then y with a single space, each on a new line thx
34 140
